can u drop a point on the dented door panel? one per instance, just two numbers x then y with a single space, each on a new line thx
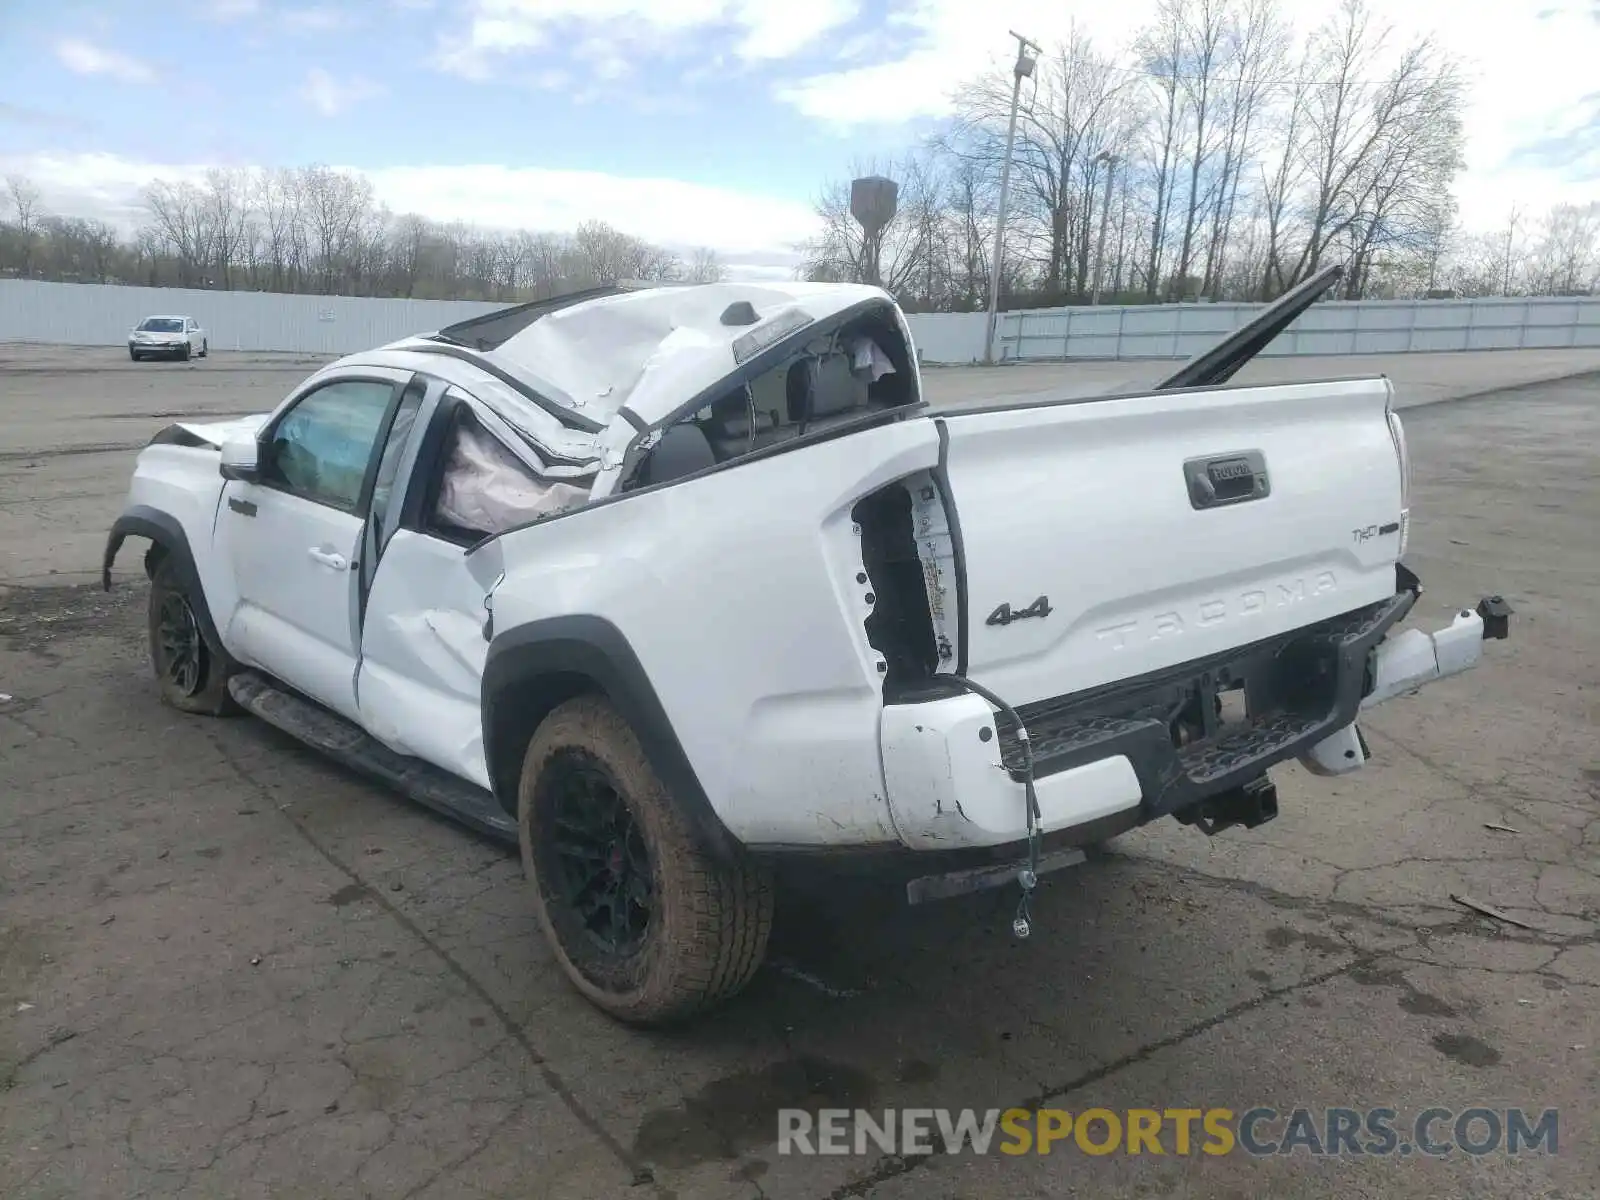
423 652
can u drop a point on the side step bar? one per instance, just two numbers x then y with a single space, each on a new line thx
355 748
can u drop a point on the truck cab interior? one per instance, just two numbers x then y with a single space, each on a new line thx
832 378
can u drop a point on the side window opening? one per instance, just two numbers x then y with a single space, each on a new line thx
484 488
833 377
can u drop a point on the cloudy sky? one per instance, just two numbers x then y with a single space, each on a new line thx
690 122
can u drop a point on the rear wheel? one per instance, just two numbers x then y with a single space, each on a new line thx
191 672
205 349
643 922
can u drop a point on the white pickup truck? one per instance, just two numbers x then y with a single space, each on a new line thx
667 583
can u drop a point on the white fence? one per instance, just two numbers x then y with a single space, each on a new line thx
89 314
101 315
1331 327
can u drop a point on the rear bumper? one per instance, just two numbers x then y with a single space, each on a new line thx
954 769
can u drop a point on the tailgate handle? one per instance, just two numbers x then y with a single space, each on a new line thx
1220 479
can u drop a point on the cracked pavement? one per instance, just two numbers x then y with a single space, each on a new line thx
229 968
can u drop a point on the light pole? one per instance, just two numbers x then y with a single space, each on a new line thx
1111 161
1020 71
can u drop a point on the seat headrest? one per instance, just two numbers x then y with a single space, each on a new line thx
682 450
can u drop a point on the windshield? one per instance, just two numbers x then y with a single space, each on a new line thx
162 325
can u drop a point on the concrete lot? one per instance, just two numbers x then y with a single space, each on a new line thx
230 969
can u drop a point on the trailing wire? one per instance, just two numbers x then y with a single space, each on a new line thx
1028 877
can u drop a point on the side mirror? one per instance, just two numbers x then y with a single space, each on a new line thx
240 457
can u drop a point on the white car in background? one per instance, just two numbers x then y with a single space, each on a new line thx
167 337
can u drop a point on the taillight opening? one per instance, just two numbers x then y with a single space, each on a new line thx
908 555
1402 453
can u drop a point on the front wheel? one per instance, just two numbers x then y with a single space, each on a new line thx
135 355
645 924
191 672
183 355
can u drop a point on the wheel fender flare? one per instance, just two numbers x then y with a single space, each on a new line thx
597 650
164 530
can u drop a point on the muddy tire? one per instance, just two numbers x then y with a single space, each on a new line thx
646 925
191 672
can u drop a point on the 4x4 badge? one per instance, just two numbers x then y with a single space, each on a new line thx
1004 616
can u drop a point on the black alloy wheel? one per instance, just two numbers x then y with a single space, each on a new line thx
180 647
597 860
645 920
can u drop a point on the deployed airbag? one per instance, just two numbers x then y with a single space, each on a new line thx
866 355
488 489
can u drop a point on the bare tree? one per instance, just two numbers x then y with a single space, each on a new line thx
548 257
74 248
1070 116
1373 146
179 223
1161 50
607 255
1566 259
1392 189
100 241
334 205
481 262
252 248
225 210
515 252
970 197
278 200
1439 234
1280 183
148 252
1257 44
1203 28
1243 173
406 241
705 267
25 203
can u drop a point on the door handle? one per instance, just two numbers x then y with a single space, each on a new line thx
328 558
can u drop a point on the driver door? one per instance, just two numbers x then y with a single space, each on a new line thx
293 537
